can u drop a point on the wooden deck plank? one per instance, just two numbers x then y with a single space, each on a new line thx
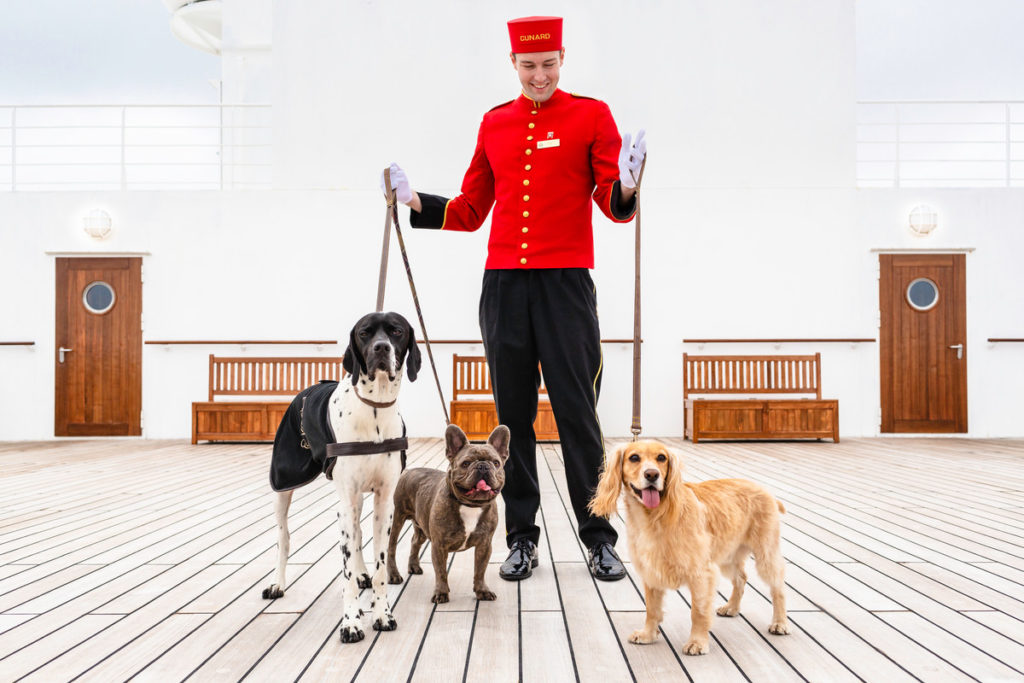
917 572
243 651
495 652
975 581
968 657
656 661
798 649
106 643
127 661
590 629
546 655
860 657
29 658
445 648
39 626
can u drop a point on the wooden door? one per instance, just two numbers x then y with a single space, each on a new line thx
98 347
922 299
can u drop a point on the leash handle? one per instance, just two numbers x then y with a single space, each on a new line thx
635 428
383 279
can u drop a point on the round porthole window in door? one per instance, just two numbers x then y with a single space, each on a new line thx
98 297
922 294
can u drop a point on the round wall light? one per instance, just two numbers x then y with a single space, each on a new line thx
97 224
923 220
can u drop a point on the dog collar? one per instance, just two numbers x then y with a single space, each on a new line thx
375 404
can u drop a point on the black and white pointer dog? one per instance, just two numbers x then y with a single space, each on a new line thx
361 415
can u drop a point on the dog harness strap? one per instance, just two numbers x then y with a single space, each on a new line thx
635 427
335 450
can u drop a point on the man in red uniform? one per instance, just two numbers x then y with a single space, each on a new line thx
539 161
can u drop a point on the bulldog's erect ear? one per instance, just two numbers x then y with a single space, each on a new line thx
413 358
353 361
454 441
499 440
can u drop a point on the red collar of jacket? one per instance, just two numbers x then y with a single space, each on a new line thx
556 98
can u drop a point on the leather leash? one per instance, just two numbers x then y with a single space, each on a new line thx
635 427
382 280
392 216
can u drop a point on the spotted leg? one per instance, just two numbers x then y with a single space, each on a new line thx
358 563
349 507
383 516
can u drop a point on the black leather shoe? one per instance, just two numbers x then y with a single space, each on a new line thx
522 558
605 565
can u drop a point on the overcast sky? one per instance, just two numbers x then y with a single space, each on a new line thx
122 51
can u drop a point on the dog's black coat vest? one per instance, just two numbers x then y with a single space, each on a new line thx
300 445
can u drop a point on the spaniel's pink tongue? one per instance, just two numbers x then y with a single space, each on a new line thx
482 486
651 497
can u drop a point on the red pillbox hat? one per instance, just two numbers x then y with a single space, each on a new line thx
535 34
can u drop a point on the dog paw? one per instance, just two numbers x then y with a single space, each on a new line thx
485 595
696 647
641 637
779 628
272 592
364 581
726 611
439 598
385 623
394 577
415 570
351 634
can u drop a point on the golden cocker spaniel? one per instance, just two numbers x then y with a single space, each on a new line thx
684 533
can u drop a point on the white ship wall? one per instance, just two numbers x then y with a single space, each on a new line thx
752 225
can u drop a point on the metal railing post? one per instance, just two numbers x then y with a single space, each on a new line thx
221 108
124 171
14 149
1009 147
898 171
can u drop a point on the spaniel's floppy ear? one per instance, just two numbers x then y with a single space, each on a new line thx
413 357
606 498
353 361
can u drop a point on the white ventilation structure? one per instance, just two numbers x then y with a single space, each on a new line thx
197 23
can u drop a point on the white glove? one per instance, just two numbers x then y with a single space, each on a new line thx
399 183
631 157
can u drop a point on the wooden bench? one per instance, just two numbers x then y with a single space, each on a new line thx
258 381
472 405
757 418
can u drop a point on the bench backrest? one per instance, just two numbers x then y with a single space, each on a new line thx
752 375
470 377
247 376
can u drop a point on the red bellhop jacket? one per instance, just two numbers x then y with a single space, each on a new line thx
539 164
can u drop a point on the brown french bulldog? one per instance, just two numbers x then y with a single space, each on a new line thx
456 509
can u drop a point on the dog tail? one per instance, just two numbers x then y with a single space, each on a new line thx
782 508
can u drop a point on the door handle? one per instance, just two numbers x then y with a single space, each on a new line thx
62 351
959 350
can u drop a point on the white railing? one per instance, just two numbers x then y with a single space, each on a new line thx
135 147
223 147
940 144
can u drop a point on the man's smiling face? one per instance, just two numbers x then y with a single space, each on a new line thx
538 72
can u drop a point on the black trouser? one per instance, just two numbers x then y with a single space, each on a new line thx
547 315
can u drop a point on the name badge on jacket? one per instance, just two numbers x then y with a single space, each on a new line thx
544 144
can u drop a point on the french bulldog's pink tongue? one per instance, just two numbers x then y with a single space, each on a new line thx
482 486
651 497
